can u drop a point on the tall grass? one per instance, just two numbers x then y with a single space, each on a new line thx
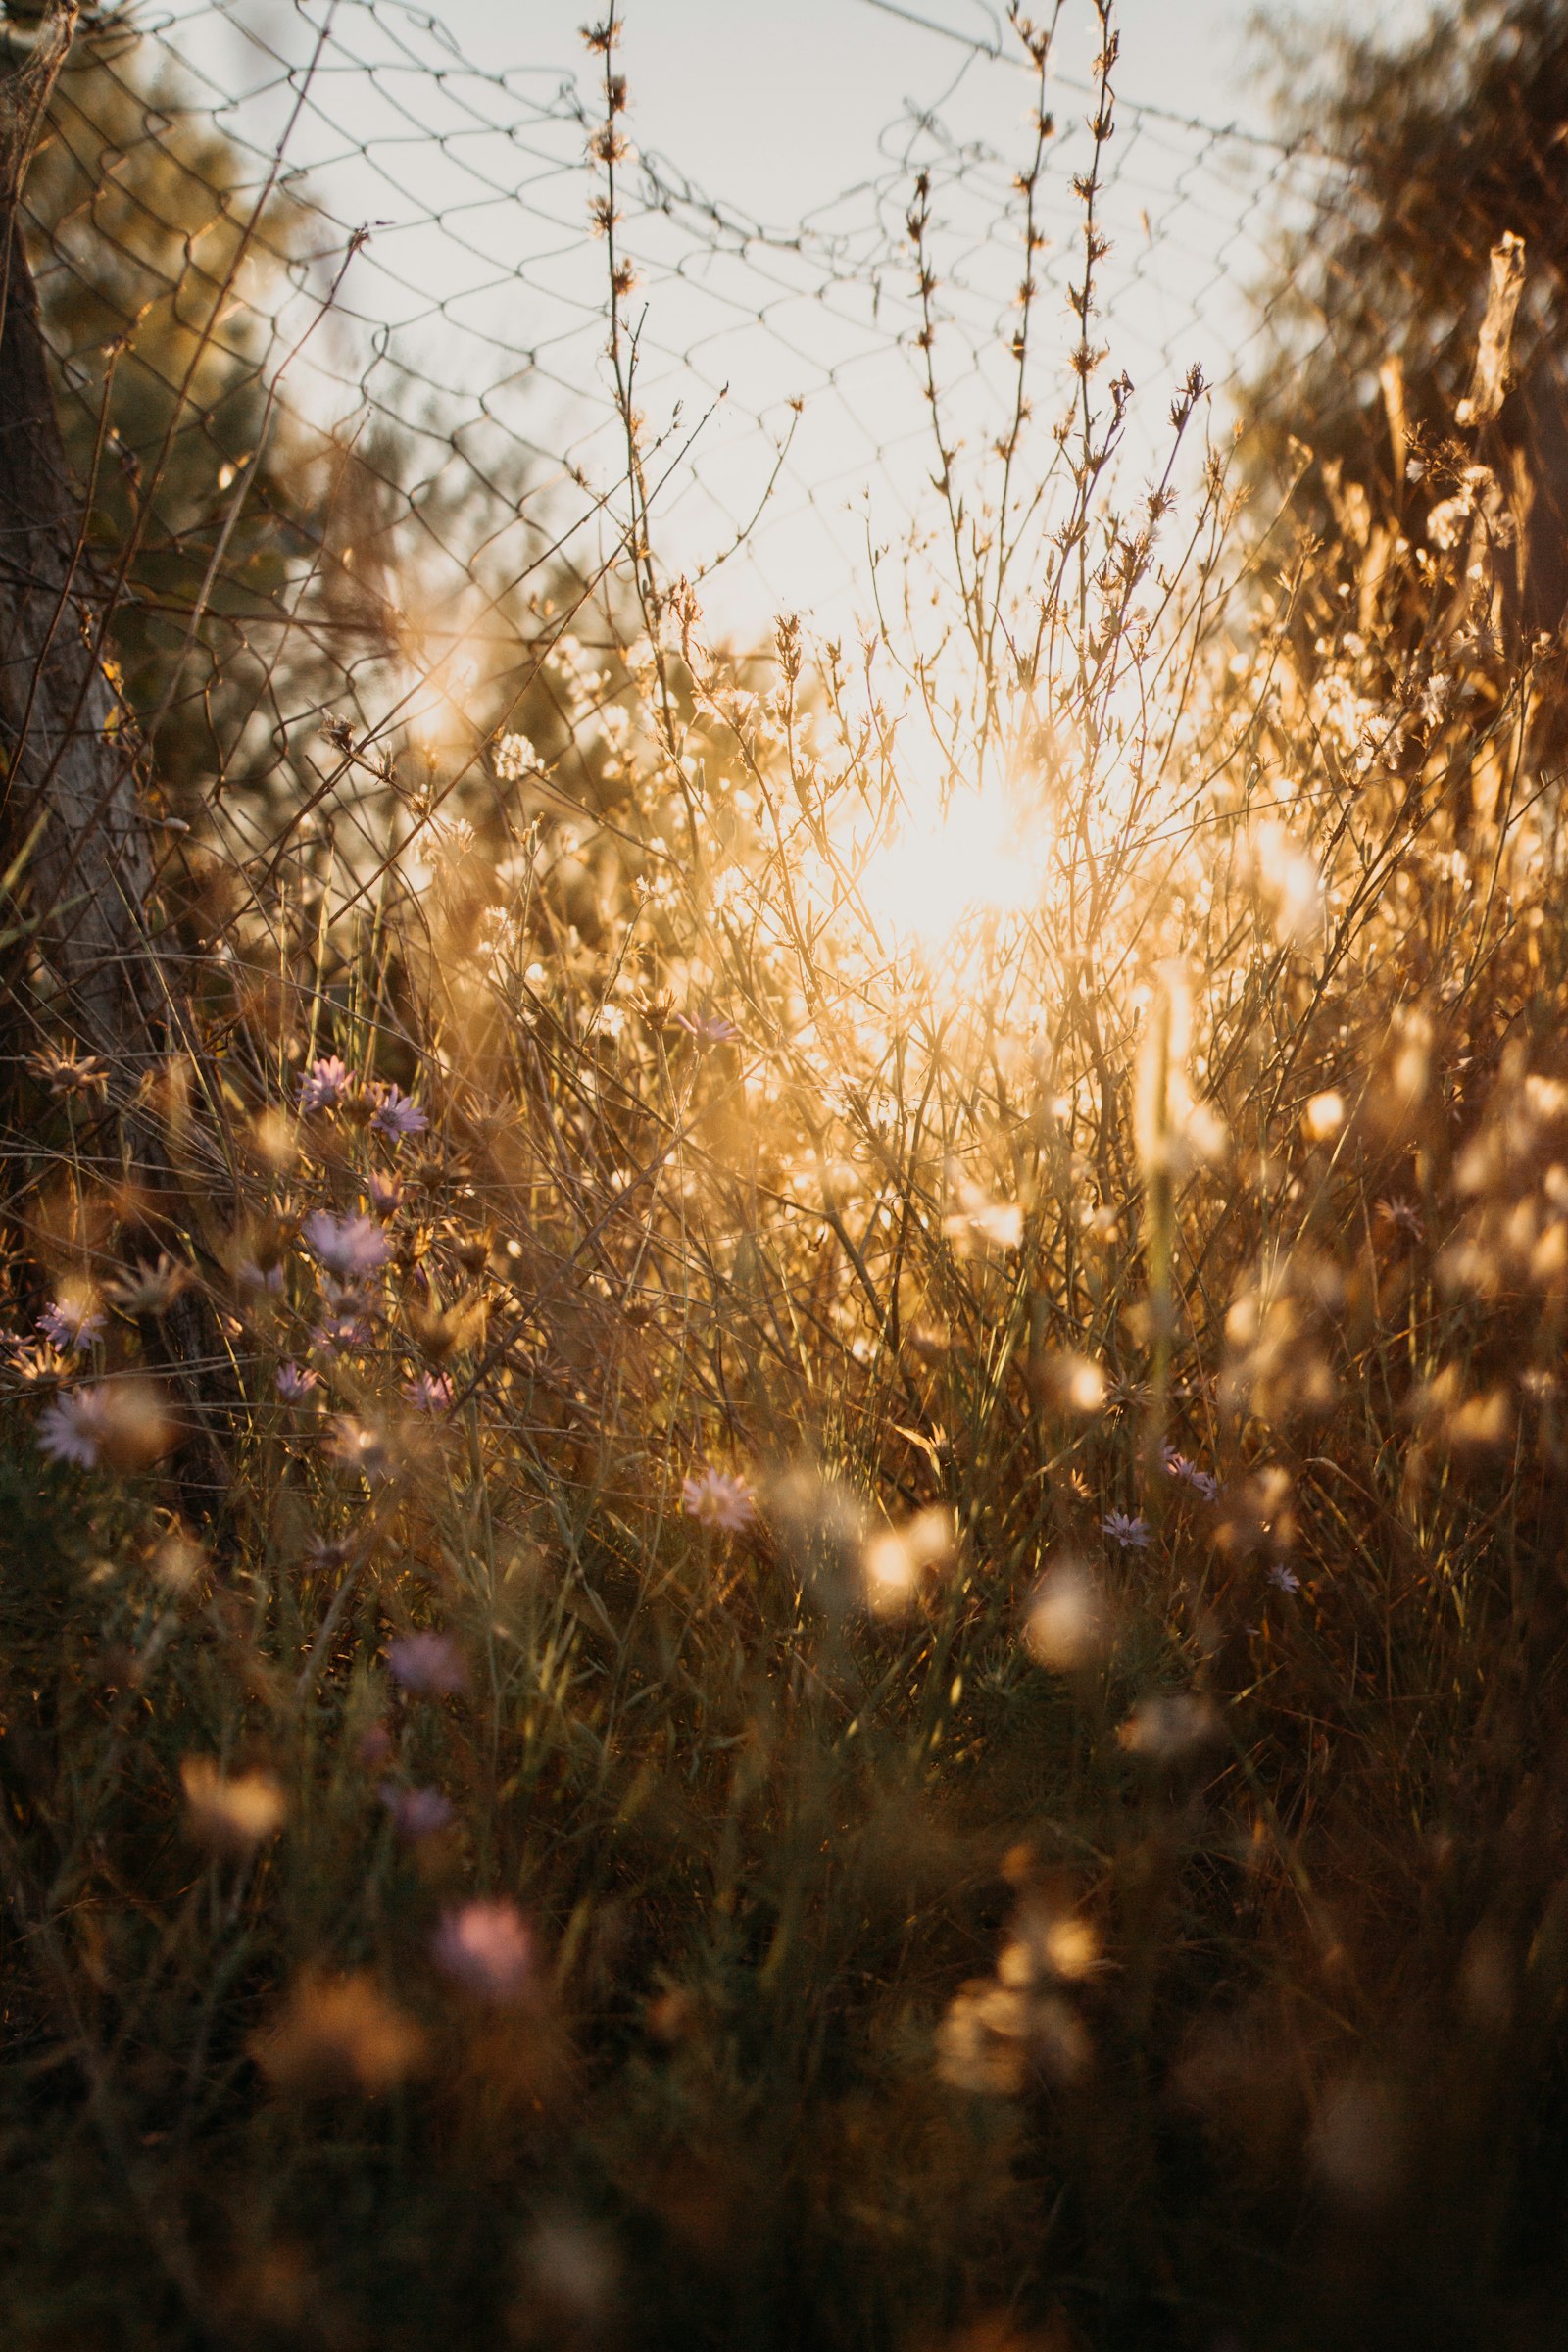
881 1660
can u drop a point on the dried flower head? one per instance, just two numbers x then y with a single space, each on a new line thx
121 1423
67 1071
150 1290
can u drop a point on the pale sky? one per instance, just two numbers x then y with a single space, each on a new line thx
482 279
776 104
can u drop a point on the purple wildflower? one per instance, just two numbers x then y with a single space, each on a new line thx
348 1246
386 1194
708 1028
342 1332
430 1665
1202 1481
73 1428
719 1501
295 1381
71 1323
397 1117
417 1813
428 1392
261 1278
1130 1531
1285 1578
487 1948
325 1083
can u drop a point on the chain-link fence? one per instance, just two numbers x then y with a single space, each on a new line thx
330 303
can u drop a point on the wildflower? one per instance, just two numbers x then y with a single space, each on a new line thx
719 1501
342 1332
121 1423
67 1071
708 1028
448 839
358 1446
397 1117
295 1381
327 1084
1399 1215
1188 1474
514 757
428 1392
1128 1529
417 1813
256 1277
348 1246
487 1948
230 1815
339 2032
385 1191
428 1664
72 1429
1285 1578
71 1323
150 1290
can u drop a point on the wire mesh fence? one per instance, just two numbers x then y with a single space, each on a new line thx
338 295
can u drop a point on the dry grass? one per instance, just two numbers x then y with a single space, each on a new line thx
1062 1839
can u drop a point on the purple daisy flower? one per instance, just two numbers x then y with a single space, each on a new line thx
348 1246
72 1429
325 1083
71 1324
397 1115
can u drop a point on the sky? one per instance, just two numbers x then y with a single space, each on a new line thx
777 104
482 274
